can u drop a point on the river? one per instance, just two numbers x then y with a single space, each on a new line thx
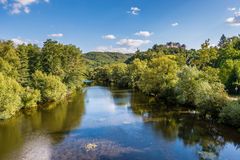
103 123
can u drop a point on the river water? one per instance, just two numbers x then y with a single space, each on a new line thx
103 123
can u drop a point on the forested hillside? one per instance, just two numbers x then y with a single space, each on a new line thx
95 59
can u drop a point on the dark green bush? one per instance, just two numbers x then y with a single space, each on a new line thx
230 114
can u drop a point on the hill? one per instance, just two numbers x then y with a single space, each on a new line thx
101 58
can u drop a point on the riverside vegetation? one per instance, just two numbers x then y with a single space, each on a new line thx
31 76
202 79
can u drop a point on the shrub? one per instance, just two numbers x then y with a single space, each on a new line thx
112 74
10 96
230 114
136 69
193 89
7 69
102 74
119 74
230 75
210 98
30 98
186 86
160 77
50 87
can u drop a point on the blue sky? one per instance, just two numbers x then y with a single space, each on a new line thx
118 25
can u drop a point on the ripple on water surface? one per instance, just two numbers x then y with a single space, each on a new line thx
104 123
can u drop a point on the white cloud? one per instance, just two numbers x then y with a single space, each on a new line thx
26 2
235 20
19 6
109 37
134 10
144 33
3 1
175 24
232 9
115 49
18 41
27 10
16 8
133 42
213 45
58 35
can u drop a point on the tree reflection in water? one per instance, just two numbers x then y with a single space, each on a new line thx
180 123
133 127
15 132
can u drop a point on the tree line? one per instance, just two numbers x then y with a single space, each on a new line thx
202 79
94 59
31 76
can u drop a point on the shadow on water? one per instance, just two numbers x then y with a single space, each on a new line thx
116 124
16 132
175 123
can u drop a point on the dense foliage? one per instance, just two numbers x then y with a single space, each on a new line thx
30 75
10 96
200 79
94 59
231 114
50 87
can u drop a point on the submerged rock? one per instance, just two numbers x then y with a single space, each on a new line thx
90 147
207 155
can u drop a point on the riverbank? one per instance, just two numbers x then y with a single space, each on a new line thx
115 122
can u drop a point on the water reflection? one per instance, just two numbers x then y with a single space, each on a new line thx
107 108
40 129
122 98
121 124
181 124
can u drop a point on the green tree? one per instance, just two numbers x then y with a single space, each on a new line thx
230 114
230 75
64 61
230 50
160 78
119 75
10 96
7 70
195 90
206 56
9 54
47 70
24 65
30 98
50 86
102 74
72 66
51 56
223 41
34 57
136 70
